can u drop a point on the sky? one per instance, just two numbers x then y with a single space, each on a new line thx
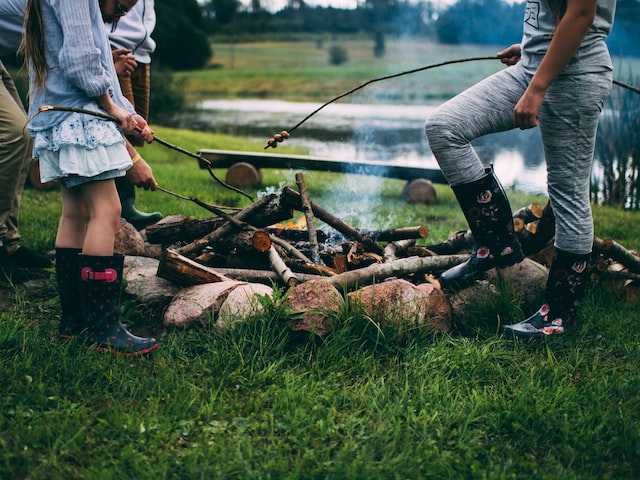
275 5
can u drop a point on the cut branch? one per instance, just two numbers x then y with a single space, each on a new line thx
308 214
278 265
401 267
617 252
184 271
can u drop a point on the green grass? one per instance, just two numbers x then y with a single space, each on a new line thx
263 402
301 71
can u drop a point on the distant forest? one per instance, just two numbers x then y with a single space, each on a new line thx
187 25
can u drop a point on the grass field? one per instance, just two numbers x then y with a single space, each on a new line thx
301 71
263 402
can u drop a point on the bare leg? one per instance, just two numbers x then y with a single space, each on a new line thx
103 203
72 228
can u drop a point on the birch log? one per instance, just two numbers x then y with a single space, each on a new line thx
403 266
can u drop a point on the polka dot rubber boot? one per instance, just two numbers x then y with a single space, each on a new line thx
101 281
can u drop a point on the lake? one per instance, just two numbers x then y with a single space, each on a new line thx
389 133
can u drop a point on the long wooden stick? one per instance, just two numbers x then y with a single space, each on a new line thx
46 108
308 215
273 142
233 222
291 197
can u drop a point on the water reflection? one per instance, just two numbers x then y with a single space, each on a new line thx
391 133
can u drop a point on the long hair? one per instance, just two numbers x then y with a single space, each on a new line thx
32 44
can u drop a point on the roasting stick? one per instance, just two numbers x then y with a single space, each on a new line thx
46 108
290 249
283 135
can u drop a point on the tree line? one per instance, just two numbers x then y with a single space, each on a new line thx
184 28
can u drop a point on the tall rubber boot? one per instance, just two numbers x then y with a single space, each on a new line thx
486 208
68 279
101 281
565 286
127 194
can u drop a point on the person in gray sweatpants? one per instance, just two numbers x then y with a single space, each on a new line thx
559 78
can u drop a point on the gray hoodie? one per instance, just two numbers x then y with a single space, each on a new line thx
11 19
134 31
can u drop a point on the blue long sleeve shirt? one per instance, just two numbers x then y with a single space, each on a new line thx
78 55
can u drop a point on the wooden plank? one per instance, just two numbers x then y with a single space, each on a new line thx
227 158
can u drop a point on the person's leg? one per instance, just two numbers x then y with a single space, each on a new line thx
487 107
72 227
136 89
140 89
568 124
101 200
15 160
101 275
69 241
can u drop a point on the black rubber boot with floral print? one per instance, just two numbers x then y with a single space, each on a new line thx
101 281
488 213
68 280
565 285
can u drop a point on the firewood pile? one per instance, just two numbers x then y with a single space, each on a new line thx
220 264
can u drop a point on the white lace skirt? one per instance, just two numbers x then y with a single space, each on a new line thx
81 149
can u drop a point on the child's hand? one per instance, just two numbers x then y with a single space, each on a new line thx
141 175
510 55
124 62
143 130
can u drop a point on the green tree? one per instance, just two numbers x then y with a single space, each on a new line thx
182 43
221 12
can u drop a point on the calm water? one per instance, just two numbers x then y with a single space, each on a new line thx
390 133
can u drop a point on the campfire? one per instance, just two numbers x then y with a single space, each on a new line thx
386 272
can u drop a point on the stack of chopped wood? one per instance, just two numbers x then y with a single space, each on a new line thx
317 267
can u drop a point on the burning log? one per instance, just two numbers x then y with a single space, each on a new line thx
308 214
244 241
404 233
292 199
233 223
178 228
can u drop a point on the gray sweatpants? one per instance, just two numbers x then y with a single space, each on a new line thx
568 123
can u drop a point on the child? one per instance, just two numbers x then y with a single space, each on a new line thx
560 79
70 64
